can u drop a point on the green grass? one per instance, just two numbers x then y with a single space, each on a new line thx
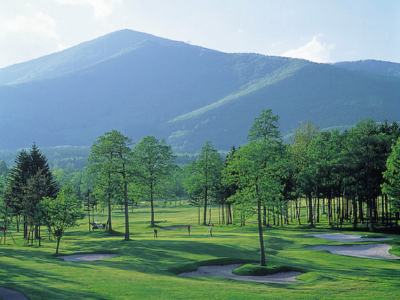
255 270
147 268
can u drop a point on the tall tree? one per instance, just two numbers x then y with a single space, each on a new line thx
392 175
209 165
154 161
111 155
16 182
253 170
27 166
265 129
301 139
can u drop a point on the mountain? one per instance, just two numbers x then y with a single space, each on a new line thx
144 85
78 57
373 66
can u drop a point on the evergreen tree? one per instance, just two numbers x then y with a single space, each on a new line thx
30 175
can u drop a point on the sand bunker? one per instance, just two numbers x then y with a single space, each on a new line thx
86 257
376 251
9 294
348 238
226 271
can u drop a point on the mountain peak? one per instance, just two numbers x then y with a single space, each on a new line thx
78 57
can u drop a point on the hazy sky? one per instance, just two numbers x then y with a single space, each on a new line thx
317 30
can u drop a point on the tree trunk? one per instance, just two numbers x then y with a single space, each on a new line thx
260 231
386 208
329 210
209 215
126 209
109 216
205 207
371 219
310 210
58 244
354 212
265 215
25 228
223 213
298 212
152 205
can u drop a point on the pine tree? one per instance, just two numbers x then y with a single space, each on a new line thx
27 183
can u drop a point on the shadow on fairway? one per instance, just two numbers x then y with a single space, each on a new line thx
38 284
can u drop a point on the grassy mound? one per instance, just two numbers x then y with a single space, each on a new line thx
255 270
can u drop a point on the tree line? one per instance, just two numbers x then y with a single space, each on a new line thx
345 176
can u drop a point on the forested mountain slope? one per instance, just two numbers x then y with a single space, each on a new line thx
373 66
144 85
77 57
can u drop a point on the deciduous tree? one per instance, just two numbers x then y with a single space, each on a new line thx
154 161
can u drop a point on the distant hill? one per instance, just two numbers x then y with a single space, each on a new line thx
373 66
144 85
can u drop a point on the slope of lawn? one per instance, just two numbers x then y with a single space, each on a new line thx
147 268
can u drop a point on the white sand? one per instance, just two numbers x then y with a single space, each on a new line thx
376 251
86 257
348 238
226 271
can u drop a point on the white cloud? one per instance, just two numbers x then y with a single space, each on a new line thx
36 23
314 50
101 8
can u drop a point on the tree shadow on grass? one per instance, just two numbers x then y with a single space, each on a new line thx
351 268
35 279
155 254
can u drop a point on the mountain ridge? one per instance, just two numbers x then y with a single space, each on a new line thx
185 94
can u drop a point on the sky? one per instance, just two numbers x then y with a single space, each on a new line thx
318 30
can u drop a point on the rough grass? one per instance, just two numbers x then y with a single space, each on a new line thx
255 270
146 268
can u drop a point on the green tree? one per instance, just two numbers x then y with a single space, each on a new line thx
61 213
27 166
154 162
265 127
16 182
193 186
392 176
111 155
209 167
305 173
3 168
253 171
